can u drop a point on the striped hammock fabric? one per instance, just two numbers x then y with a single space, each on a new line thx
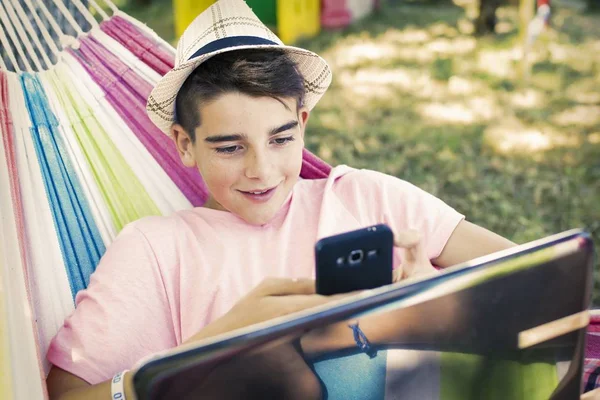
79 159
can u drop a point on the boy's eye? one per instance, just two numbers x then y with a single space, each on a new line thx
282 141
228 149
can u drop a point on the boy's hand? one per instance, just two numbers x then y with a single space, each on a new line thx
276 297
272 298
414 258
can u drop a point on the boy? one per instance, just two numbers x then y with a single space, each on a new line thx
237 104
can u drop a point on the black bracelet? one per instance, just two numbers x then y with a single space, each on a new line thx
361 341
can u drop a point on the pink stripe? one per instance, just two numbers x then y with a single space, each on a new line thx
166 55
97 53
142 47
145 40
6 126
313 167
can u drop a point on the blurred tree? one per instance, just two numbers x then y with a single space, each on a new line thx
486 20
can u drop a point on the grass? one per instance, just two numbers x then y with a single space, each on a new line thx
416 96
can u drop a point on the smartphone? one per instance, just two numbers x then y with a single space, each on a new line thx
356 260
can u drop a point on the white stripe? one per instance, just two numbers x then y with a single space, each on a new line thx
23 357
49 284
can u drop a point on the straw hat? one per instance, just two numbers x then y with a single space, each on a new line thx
229 25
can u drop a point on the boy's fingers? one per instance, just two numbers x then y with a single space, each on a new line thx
412 245
407 238
413 255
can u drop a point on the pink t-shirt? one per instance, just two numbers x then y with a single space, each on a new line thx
165 278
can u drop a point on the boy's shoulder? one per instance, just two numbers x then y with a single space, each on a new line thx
361 189
152 226
152 222
349 185
161 229
343 176
180 224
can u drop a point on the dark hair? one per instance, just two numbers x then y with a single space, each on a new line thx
255 72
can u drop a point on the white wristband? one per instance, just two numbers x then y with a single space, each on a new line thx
118 386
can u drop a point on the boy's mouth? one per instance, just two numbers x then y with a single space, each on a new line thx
259 195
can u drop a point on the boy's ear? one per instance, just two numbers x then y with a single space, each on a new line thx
184 144
303 114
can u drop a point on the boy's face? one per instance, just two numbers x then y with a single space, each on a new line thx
248 151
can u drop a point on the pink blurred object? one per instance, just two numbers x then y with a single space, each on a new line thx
340 13
335 14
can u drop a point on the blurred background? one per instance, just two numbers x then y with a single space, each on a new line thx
437 93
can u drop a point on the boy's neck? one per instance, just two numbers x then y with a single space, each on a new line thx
213 204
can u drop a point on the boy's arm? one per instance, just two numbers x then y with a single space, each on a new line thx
469 241
63 385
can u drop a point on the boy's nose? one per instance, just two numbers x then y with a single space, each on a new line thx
257 166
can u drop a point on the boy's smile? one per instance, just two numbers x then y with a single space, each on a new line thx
248 151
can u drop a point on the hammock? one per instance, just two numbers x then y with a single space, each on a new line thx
66 128
79 159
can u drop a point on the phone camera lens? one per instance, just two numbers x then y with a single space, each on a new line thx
355 257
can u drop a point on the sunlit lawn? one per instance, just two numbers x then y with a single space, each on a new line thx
417 96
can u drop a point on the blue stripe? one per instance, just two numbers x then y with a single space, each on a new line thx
80 241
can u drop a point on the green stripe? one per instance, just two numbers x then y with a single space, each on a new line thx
123 193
